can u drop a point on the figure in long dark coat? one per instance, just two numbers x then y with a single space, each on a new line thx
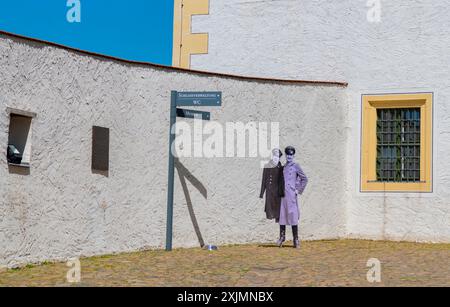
273 185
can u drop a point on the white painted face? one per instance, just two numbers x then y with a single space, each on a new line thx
275 159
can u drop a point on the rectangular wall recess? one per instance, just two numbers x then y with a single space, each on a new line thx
100 148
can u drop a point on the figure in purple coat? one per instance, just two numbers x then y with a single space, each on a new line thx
294 184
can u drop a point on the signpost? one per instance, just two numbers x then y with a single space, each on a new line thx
191 99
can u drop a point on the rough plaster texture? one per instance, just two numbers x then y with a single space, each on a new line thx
61 209
332 40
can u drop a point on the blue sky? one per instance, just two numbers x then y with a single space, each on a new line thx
138 30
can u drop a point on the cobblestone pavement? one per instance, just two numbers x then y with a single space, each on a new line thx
319 263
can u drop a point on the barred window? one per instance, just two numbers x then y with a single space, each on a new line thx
398 145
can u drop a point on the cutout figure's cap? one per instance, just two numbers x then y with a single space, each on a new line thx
290 150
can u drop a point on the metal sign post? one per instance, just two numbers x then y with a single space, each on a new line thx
193 99
173 118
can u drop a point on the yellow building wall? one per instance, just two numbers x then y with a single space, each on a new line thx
186 43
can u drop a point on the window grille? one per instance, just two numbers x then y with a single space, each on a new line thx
398 145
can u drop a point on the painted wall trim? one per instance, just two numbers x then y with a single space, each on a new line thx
369 106
186 43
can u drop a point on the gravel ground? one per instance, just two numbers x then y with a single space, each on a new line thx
318 263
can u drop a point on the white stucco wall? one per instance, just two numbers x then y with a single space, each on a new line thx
62 209
407 51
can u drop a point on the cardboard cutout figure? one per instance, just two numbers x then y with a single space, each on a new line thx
295 182
273 185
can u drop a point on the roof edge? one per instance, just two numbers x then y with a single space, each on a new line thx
201 72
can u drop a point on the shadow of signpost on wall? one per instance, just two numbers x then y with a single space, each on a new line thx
183 174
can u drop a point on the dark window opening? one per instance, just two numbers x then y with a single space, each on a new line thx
100 148
19 140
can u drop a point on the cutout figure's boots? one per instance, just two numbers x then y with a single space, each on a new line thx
282 236
295 235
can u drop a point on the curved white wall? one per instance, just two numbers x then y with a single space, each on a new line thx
62 209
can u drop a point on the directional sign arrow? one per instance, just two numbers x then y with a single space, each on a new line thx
193 114
208 99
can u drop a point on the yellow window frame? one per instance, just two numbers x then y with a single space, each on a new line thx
370 104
